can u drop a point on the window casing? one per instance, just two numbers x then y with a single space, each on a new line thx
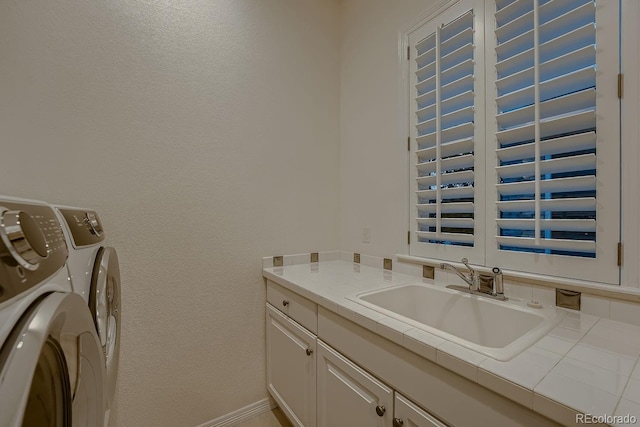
545 183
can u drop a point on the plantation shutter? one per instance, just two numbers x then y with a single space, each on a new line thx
554 132
447 115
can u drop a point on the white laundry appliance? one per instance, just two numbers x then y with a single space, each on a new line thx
51 361
95 275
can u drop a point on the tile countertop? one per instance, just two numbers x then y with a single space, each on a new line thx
585 363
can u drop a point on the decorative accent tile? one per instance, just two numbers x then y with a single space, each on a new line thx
314 257
278 261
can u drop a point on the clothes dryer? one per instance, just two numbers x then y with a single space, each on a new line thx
51 362
95 275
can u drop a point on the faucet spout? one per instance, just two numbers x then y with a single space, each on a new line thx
473 278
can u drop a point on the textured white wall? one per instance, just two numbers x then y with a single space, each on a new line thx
374 178
205 132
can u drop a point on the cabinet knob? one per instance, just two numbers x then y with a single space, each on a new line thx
309 352
285 302
380 410
397 422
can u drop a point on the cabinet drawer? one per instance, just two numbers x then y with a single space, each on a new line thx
408 413
293 305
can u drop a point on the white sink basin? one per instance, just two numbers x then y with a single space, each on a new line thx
497 329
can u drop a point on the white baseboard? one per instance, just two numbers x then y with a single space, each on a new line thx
242 414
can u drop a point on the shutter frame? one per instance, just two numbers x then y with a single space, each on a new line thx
457 134
606 182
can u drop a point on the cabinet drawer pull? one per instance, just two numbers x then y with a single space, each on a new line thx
285 302
380 410
309 352
397 422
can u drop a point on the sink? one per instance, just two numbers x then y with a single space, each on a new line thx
498 329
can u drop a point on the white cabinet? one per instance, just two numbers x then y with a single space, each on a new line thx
300 309
347 395
407 414
291 368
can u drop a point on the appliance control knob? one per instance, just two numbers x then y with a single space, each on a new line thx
92 223
23 238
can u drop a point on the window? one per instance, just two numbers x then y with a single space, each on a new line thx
447 117
515 132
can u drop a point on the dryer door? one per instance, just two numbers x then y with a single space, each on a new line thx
47 363
104 302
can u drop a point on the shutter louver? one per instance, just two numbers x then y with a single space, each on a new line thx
546 126
444 134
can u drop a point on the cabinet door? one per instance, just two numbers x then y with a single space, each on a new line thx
407 414
347 395
291 368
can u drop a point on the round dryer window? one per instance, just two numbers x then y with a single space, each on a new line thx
51 367
104 302
49 396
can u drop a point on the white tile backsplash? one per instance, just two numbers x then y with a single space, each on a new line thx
371 261
330 256
543 295
518 291
595 305
406 268
624 311
561 340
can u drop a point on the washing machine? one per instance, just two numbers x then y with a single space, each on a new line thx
95 276
51 361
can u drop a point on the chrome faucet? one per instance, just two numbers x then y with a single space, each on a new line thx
490 286
474 278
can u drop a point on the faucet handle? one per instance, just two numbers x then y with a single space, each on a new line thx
475 277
